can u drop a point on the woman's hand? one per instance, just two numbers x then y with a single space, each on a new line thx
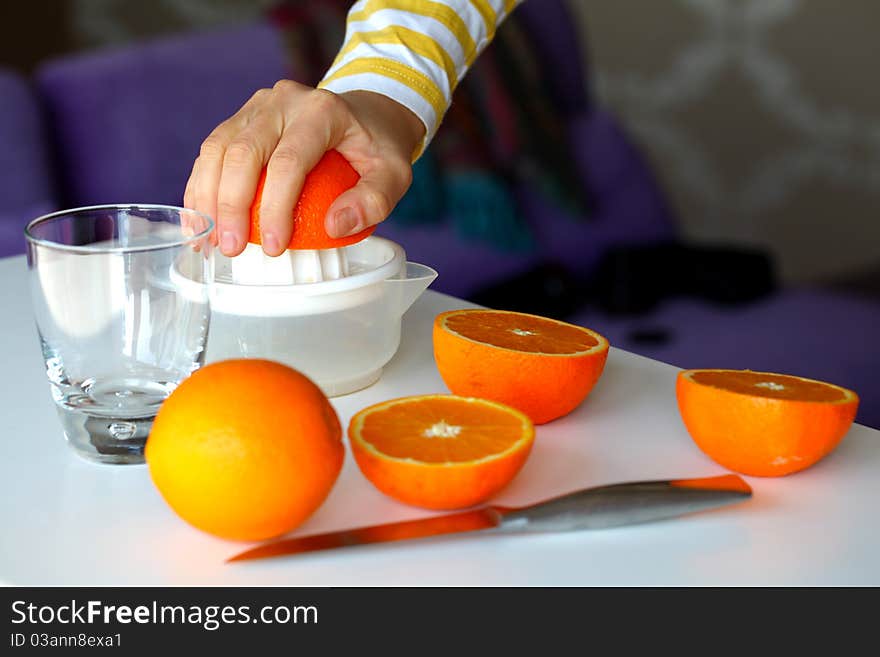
289 128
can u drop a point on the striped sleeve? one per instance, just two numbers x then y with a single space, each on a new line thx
414 51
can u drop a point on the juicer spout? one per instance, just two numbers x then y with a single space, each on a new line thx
408 286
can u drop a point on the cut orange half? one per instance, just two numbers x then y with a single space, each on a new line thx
440 451
541 366
763 424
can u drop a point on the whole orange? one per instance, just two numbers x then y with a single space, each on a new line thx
761 423
540 366
440 451
245 449
323 184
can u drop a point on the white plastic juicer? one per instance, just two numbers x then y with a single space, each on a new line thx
332 314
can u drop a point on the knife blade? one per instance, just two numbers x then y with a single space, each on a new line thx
591 508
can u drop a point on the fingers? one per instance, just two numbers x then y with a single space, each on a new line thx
371 200
206 175
192 223
243 161
316 127
287 130
189 192
203 187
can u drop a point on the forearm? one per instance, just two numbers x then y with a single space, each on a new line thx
414 51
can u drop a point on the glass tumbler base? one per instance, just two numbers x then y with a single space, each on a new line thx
106 439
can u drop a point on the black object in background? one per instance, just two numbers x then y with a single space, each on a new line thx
548 290
634 279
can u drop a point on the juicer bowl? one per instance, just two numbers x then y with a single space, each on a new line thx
340 333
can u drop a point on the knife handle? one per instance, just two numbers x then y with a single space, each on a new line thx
625 504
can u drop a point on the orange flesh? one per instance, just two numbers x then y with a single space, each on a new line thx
441 430
760 384
521 333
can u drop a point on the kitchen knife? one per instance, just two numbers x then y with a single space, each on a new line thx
591 508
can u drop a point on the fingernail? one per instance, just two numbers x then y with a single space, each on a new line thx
228 242
345 222
270 242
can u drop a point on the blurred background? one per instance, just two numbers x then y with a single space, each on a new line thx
697 179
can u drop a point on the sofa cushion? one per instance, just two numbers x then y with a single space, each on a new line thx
805 332
128 122
25 176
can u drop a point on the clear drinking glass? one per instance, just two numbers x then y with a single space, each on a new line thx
118 331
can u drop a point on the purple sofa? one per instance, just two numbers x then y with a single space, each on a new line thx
804 332
26 188
125 124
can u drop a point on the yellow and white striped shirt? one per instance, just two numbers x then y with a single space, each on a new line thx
414 51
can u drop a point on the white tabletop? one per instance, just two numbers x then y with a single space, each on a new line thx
67 521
